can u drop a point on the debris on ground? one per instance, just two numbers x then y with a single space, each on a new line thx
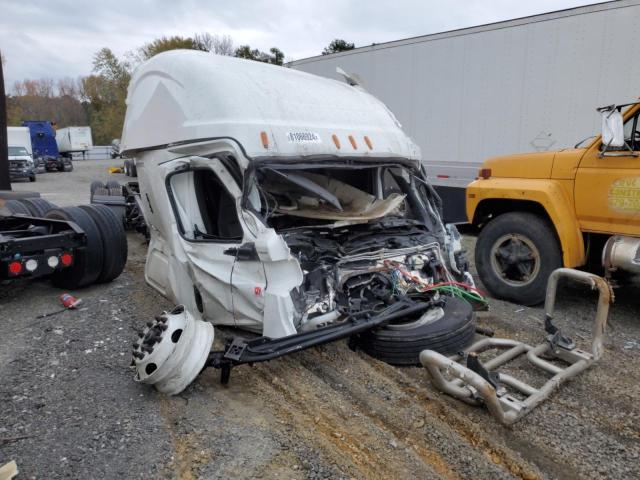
8 470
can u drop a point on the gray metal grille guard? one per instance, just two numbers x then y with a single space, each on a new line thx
477 384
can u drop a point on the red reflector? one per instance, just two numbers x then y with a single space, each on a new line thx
485 173
66 259
442 176
15 268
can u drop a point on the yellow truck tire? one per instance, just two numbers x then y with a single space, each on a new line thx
515 254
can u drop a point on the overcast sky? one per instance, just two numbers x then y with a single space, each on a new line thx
57 38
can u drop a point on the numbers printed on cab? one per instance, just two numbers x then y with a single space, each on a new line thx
303 137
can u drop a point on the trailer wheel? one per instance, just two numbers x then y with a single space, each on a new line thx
38 206
114 241
17 207
67 167
400 343
87 263
96 184
515 254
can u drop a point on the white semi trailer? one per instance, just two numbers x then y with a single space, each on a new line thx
74 139
524 85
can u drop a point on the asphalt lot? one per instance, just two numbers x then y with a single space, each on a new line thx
70 409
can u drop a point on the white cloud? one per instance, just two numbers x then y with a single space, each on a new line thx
57 38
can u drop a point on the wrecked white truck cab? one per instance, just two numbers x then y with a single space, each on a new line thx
289 205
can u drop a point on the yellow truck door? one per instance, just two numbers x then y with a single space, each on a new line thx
607 188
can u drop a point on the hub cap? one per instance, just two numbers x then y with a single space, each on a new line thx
516 259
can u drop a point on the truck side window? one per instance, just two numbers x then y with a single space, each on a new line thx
204 208
217 207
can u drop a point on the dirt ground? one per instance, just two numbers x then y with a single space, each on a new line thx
69 407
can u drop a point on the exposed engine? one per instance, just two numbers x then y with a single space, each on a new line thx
368 239
365 268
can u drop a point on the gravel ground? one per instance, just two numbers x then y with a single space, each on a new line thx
69 407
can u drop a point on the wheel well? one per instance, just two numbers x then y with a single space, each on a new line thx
492 208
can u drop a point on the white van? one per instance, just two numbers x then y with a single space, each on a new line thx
289 205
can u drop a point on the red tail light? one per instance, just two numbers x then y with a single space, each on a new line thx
66 259
15 268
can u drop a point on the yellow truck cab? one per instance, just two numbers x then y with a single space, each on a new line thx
540 211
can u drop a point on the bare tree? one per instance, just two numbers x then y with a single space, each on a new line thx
67 87
218 44
18 88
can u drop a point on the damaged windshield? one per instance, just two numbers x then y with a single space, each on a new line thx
289 197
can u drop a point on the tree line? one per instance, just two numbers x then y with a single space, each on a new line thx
98 99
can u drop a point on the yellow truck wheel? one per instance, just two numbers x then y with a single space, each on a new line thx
515 254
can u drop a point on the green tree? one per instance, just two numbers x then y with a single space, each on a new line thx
245 51
164 44
338 45
104 94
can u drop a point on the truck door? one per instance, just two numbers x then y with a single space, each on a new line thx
206 201
607 188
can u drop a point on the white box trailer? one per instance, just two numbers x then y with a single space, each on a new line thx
74 139
524 85
19 137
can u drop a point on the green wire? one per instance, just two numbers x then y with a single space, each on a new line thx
458 292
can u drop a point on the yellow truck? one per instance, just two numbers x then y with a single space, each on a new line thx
540 211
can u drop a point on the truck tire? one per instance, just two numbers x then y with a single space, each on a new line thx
114 241
401 343
87 263
127 168
17 207
133 169
515 254
68 167
96 184
38 207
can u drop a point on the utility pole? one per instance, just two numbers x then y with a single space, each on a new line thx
5 180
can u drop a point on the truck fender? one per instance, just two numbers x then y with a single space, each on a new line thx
502 195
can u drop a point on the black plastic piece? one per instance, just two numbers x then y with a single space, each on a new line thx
475 365
556 338
245 252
